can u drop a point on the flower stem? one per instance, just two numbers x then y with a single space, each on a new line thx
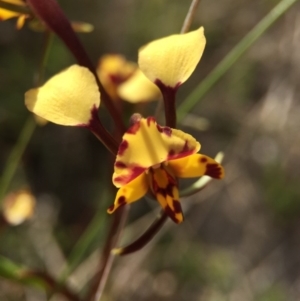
97 128
107 256
211 79
145 238
28 128
190 16
169 96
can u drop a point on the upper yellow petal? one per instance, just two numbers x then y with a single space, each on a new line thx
173 59
147 144
138 88
196 165
67 98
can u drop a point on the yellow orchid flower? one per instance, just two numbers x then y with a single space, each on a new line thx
123 79
18 207
67 98
171 60
152 157
138 88
6 14
113 70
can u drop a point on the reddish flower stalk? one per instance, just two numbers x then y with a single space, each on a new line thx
169 96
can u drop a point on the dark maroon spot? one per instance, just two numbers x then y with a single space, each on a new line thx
150 119
185 148
171 153
93 122
121 179
111 208
117 79
163 87
136 171
203 160
134 128
122 148
171 214
177 206
213 170
121 200
120 164
167 131
159 128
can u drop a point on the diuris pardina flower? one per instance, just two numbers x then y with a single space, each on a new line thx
123 79
152 157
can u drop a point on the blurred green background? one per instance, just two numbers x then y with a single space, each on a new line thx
240 238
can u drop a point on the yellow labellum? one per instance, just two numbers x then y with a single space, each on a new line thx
173 59
67 98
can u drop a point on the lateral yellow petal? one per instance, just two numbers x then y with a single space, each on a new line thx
147 144
67 98
173 59
130 192
196 166
138 88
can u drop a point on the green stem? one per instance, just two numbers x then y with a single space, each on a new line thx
15 156
204 87
27 130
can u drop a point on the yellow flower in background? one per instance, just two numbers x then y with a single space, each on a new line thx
68 98
18 207
123 79
6 14
171 60
113 70
152 157
138 88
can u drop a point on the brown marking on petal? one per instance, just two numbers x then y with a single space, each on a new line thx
171 214
150 119
213 170
136 171
134 128
111 208
133 172
159 128
120 164
167 130
203 160
122 148
121 200
177 206
171 153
